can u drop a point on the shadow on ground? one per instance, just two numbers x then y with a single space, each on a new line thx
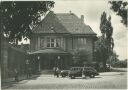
13 83
113 74
82 77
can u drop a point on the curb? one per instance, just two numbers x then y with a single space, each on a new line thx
119 70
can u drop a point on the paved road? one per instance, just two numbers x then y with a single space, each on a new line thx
107 80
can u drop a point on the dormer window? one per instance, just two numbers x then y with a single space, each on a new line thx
52 29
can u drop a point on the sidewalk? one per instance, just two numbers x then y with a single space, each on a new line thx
120 69
109 73
10 82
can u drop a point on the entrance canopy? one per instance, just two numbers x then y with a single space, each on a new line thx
49 51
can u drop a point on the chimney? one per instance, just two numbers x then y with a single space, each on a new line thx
82 18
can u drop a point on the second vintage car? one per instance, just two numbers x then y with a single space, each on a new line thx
80 71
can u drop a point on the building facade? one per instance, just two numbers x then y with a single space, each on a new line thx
56 37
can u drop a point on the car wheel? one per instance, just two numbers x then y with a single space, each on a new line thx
72 77
92 76
63 75
84 75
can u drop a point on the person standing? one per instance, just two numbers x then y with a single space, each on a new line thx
16 75
54 70
29 72
57 71
27 68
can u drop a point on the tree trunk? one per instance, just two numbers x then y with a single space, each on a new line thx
16 41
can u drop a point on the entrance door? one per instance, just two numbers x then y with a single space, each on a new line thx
47 62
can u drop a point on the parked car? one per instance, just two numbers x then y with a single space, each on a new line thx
79 71
89 71
75 72
64 73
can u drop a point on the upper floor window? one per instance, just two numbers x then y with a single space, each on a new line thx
82 41
42 42
58 42
52 42
48 41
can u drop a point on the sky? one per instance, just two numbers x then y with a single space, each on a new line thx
92 10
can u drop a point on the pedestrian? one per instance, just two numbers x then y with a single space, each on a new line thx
29 73
57 72
54 70
16 75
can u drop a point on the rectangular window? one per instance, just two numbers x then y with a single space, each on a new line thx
58 42
53 42
81 41
48 41
84 40
42 42
48 44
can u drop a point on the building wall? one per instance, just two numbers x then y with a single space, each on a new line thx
85 43
66 43
39 42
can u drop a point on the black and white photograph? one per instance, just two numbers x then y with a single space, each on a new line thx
64 44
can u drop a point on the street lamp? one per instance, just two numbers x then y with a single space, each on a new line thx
27 64
58 57
39 62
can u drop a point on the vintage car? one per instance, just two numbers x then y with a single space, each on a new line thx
80 71
75 72
89 71
64 73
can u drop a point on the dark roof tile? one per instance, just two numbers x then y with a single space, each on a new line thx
62 23
73 24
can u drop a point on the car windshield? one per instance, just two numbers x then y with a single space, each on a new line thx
89 68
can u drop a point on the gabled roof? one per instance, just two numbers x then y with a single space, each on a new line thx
50 24
74 24
63 23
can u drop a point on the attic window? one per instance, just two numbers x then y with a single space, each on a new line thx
52 29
